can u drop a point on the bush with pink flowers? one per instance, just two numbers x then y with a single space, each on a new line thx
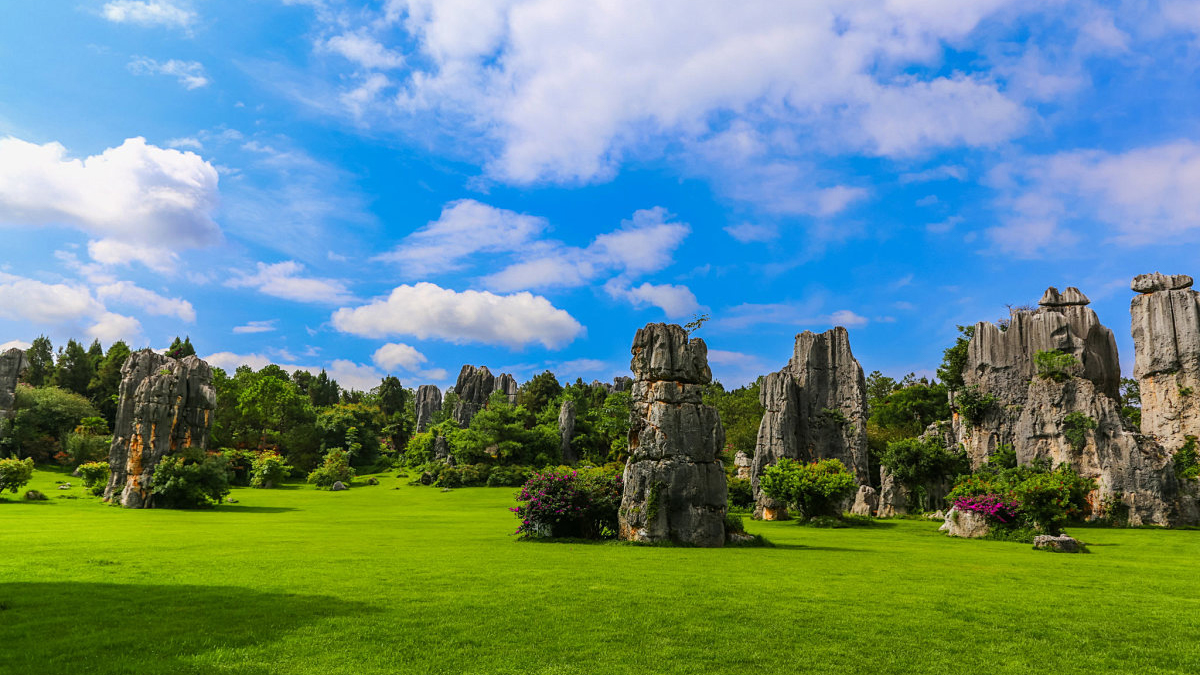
569 503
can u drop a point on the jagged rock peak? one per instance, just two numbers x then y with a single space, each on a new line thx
428 402
474 384
1071 296
663 352
1153 282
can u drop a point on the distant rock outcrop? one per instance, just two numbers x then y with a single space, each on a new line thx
1166 339
428 403
164 406
474 387
675 486
12 363
566 428
815 408
1038 415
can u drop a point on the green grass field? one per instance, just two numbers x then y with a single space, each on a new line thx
414 580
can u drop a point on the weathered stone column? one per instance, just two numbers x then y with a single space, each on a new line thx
1166 339
12 362
428 403
675 486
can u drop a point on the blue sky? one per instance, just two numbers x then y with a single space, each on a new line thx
406 186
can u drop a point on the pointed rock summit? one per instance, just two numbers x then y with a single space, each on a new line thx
1166 338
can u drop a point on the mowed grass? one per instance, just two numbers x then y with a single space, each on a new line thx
400 579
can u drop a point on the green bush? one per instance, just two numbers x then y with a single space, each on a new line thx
15 473
1186 465
240 462
564 502
1075 426
35 496
190 480
741 493
815 489
1046 500
336 467
1055 365
972 404
508 476
86 447
268 470
95 476
916 464
467 475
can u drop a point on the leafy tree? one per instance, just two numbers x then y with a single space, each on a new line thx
43 417
539 392
41 362
354 427
954 359
268 470
816 489
498 433
272 414
181 348
1131 403
1055 364
911 409
105 385
15 474
324 390
74 369
917 464
190 479
698 321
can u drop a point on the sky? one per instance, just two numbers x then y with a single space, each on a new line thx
406 186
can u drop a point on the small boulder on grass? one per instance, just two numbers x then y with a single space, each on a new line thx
338 486
35 496
372 481
1059 544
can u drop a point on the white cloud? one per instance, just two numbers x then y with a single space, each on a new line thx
255 327
137 194
748 232
284 280
426 311
1138 197
464 229
674 300
149 13
643 244
189 73
937 173
149 301
398 355
185 142
363 50
113 252
62 305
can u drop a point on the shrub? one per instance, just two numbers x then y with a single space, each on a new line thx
916 464
1075 426
1187 465
190 480
1034 496
268 470
1003 457
467 475
569 503
95 476
741 493
1055 364
336 467
86 447
15 473
995 507
815 489
508 476
972 404
734 524
35 496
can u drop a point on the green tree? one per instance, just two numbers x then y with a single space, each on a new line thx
41 362
354 427
74 369
181 348
741 413
816 489
954 359
274 409
105 386
43 417
539 392
1131 403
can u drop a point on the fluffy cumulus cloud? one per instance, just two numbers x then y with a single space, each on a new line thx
137 199
397 355
643 244
565 92
674 300
71 307
426 310
286 280
1137 197
465 228
149 13
147 300
189 73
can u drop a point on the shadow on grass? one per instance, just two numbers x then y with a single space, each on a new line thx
238 508
48 627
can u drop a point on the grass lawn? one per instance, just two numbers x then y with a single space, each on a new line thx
399 579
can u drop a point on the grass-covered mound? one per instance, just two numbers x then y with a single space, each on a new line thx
406 579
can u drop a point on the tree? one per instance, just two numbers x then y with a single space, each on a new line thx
917 464
539 391
1131 403
179 349
954 359
15 473
272 410
741 413
43 416
41 362
354 427
105 386
74 369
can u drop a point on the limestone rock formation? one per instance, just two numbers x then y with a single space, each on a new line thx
742 464
12 362
441 449
1034 414
1166 338
566 428
165 405
893 496
428 403
967 524
474 387
866 502
815 408
1059 544
622 383
675 486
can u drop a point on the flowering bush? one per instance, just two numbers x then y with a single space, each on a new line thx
994 507
569 503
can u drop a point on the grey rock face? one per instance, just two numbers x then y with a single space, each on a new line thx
165 405
742 463
675 486
428 403
815 408
866 502
893 496
1030 411
1060 544
566 428
1150 283
967 524
441 449
1166 338
1069 297
475 386
12 363
622 383
338 486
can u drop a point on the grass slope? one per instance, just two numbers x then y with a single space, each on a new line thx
414 580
